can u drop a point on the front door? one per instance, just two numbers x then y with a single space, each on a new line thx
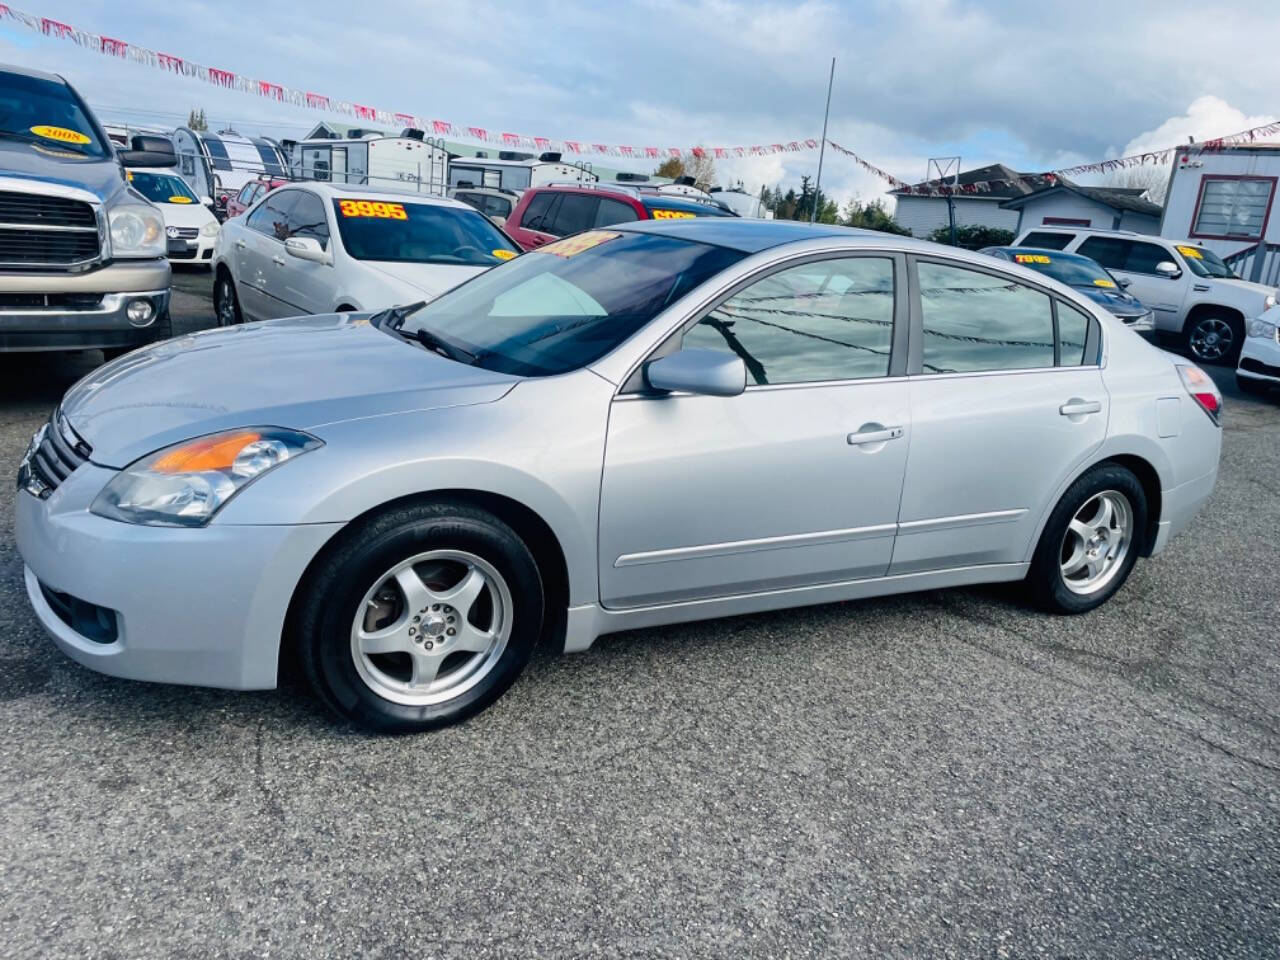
1000 416
297 286
257 249
796 481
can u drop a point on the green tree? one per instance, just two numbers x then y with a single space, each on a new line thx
871 216
672 167
196 119
974 237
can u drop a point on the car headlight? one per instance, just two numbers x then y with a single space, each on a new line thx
136 231
210 229
1264 329
184 485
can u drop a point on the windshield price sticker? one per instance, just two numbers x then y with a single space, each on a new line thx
61 134
672 214
1191 252
369 208
1100 282
504 254
1030 258
176 199
572 246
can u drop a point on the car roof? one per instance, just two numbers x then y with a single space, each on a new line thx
1054 228
751 236
363 192
30 72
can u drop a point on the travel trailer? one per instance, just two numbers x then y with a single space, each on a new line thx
410 162
511 171
217 165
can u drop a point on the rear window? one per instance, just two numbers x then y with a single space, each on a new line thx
49 116
405 232
1046 240
664 209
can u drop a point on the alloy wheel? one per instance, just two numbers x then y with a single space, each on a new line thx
431 627
1097 540
1211 339
226 303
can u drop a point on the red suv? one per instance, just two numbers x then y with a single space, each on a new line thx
250 192
547 213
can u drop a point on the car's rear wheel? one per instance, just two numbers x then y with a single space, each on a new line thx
226 305
420 618
1213 339
1091 541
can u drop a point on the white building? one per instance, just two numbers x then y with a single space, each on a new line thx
1223 199
922 214
1068 204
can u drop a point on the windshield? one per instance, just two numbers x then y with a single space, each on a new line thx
1205 263
48 115
162 187
569 303
420 233
1073 271
664 208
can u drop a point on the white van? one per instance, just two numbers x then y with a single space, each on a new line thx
409 162
1191 292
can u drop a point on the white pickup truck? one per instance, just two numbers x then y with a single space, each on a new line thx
1193 294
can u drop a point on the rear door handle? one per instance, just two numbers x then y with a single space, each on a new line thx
1075 407
240 244
278 261
875 436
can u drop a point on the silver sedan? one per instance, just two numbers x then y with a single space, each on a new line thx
659 422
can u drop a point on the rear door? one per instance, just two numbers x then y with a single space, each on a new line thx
1135 261
1003 410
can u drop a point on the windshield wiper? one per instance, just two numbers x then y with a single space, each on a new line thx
393 319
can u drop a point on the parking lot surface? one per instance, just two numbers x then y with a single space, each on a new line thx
944 774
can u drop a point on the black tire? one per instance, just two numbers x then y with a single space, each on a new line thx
1203 336
226 305
1254 388
1045 580
338 587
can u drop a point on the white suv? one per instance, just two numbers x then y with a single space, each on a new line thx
1193 294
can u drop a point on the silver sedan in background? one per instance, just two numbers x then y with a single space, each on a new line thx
658 422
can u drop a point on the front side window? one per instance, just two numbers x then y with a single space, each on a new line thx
827 320
977 321
568 303
271 217
162 187
307 219
403 232
1143 258
1234 207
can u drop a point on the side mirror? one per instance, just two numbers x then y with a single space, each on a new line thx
499 221
1167 268
307 248
206 200
713 373
146 158
1123 282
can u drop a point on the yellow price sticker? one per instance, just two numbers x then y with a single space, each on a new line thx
504 254
672 214
1030 258
572 246
179 199
371 208
1191 252
61 134
1103 283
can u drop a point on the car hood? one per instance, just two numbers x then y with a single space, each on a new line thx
299 373
1117 301
1247 292
432 279
47 164
186 214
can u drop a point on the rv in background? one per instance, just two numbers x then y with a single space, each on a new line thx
409 162
517 171
740 202
217 165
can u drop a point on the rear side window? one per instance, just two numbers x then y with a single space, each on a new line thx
977 321
1046 240
614 211
1073 335
575 214
1108 251
535 214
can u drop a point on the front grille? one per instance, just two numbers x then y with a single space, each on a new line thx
19 302
40 210
187 233
87 619
60 451
54 248
183 253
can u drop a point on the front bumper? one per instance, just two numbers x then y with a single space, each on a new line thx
63 311
198 250
202 606
1260 359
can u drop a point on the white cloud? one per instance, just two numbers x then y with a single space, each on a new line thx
1206 118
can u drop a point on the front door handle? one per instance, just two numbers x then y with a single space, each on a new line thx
1075 407
278 261
875 436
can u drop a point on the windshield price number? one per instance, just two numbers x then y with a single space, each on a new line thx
1190 252
672 215
1100 282
1030 258
369 208
61 134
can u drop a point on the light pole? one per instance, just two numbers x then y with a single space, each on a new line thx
822 145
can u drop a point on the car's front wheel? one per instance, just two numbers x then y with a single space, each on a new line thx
421 618
1091 541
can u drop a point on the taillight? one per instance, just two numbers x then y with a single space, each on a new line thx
1202 389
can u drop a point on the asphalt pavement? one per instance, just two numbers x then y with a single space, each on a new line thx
945 774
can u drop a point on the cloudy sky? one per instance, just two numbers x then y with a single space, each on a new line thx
1034 85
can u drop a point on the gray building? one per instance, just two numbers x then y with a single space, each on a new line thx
1068 204
922 214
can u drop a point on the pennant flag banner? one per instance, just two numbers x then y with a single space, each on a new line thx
314 101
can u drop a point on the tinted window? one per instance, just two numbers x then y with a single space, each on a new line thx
569 303
575 214
977 321
270 159
1232 208
31 104
419 233
218 158
1108 251
271 217
1143 258
614 211
535 214
1049 241
1074 271
306 219
828 320
1073 334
